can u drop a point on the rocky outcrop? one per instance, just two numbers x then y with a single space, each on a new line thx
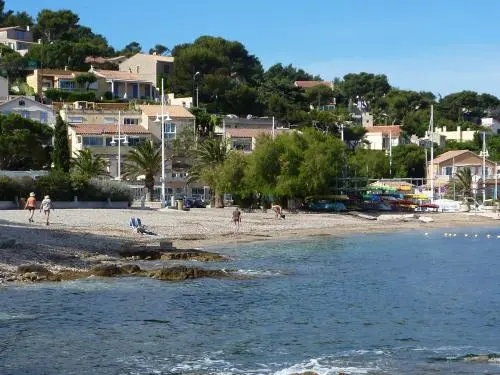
157 253
181 273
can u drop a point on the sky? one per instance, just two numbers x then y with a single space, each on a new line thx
442 46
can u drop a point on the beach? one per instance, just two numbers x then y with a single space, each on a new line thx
78 239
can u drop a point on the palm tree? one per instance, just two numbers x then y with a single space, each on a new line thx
89 165
464 182
208 157
144 159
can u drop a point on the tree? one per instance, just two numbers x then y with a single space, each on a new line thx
88 165
85 78
9 18
61 155
131 49
144 159
368 163
464 182
466 106
370 87
208 158
408 161
159 49
12 63
319 96
52 25
24 144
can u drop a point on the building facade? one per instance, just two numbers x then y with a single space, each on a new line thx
30 109
148 67
383 137
18 38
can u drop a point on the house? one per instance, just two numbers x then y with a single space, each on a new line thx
123 85
30 109
4 89
148 67
102 140
181 121
246 139
492 124
310 84
100 113
383 137
183 101
449 163
18 38
458 135
61 79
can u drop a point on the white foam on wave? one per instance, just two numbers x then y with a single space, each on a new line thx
258 273
322 367
5 316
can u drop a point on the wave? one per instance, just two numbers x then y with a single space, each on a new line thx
490 357
257 273
322 366
6 317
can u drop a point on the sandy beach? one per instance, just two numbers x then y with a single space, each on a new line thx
79 239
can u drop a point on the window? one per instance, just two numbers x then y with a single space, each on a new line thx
110 120
166 68
75 120
244 144
66 85
447 171
134 141
19 35
170 130
130 121
92 141
137 68
22 103
25 114
44 117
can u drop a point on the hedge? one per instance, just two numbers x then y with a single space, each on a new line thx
69 96
62 187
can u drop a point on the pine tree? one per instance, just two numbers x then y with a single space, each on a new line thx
61 155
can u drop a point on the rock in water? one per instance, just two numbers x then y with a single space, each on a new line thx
33 268
106 270
181 273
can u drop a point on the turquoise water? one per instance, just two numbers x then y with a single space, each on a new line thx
404 303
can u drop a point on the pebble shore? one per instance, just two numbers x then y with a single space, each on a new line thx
79 239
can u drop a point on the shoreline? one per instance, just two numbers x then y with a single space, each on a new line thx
78 240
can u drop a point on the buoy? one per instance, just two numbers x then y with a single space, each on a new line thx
498 236
488 236
454 234
426 234
475 235
446 234
466 235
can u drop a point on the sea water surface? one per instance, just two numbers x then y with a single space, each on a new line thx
404 303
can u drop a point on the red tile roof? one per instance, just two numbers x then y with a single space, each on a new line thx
92 129
309 84
395 130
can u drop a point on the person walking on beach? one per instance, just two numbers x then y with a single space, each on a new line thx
278 211
237 218
31 206
46 206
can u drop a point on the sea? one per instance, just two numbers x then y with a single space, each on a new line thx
394 303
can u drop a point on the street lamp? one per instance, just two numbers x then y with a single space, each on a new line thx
162 118
389 153
119 138
484 153
197 87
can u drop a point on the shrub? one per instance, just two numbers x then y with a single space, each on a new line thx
108 95
57 184
114 190
9 189
67 96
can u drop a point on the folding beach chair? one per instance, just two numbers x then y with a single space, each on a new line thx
136 224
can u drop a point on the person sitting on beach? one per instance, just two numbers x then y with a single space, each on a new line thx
46 206
278 211
237 218
31 206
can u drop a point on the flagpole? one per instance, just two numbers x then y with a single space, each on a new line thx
431 126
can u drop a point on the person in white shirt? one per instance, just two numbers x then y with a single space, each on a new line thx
46 206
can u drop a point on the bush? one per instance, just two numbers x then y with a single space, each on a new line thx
57 184
114 190
9 189
67 96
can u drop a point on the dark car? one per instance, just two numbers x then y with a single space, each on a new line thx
193 203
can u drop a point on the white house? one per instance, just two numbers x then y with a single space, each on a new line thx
382 137
492 124
30 109
18 38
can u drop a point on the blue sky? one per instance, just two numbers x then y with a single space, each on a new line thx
442 46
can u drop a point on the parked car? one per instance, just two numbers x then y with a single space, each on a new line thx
193 203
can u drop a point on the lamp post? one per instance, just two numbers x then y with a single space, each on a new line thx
484 154
431 134
197 88
390 153
119 139
162 119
